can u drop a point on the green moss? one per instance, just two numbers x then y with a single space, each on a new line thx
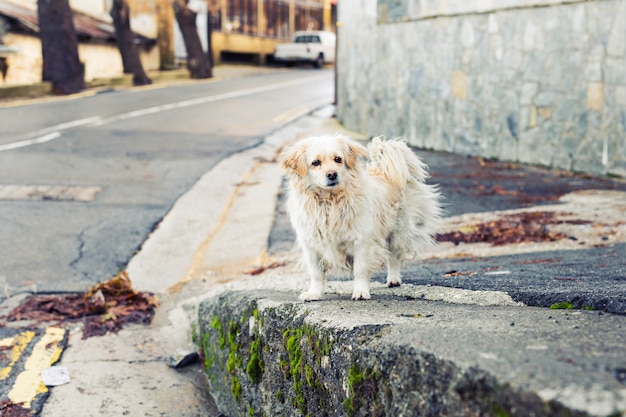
194 333
207 350
347 407
233 331
305 347
250 411
355 377
280 397
364 389
231 363
589 308
255 368
236 388
217 325
562 306
498 411
310 378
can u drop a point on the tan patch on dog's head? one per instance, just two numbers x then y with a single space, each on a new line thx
294 162
354 150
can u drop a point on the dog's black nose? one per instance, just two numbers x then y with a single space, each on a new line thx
332 175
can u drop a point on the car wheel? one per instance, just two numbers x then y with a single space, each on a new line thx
319 62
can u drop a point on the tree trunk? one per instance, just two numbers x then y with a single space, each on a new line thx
59 47
166 34
126 43
209 36
197 61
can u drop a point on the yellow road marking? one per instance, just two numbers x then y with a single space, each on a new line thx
18 344
198 256
291 115
46 352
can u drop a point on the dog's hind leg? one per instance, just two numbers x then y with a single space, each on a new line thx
394 267
316 287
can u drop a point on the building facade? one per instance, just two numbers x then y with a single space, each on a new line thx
249 30
97 47
241 30
536 81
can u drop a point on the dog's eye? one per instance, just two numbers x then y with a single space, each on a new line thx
338 159
316 163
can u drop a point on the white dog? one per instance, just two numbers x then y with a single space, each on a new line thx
350 216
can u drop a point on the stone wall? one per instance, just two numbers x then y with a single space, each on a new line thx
540 82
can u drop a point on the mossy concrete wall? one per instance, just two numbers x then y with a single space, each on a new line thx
268 355
536 81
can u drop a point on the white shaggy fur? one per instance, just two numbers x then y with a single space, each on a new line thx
350 216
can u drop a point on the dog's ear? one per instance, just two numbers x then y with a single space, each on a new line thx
354 150
293 161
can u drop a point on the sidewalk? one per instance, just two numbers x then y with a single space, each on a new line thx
458 338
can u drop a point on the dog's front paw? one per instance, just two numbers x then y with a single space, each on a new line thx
394 282
310 296
361 295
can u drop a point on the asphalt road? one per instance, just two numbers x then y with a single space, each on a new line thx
116 162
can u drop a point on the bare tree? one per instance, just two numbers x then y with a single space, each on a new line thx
59 47
197 61
166 34
209 38
120 13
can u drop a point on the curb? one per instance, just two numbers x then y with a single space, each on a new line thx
267 354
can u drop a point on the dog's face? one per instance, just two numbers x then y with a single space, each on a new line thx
324 161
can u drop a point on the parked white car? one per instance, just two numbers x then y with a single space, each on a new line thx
316 47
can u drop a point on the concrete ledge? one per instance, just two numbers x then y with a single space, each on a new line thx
26 90
267 354
169 75
125 80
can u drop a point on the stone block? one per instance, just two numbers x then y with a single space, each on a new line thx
459 85
616 43
620 95
529 89
595 96
615 70
592 71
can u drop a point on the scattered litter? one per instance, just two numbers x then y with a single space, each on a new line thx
55 376
416 316
455 273
10 409
107 307
180 359
503 272
538 261
514 228
261 269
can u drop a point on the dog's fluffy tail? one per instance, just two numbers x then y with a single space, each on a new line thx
422 216
396 162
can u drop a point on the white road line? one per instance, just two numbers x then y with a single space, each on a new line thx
29 142
203 100
48 134
52 133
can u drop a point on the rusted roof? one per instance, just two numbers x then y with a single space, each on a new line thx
87 27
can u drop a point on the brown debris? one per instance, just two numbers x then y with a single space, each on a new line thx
261 269
107 307
538 261
514 228
455 273
10 409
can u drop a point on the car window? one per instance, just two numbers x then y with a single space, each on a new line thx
307 39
